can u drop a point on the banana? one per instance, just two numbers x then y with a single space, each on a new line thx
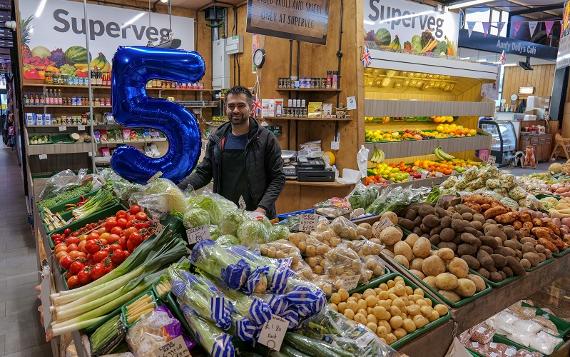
442 155
377 156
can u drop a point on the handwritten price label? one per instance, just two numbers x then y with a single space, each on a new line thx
197 234
308 222
42 156
62 128
174 348
81 127
350 282
273 332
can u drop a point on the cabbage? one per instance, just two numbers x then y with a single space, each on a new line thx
227 240
196 217
278 231
173 198
214 232
252 233
209 204
266 222
231 220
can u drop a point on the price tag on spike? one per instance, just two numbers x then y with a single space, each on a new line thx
273 332
42 156
197 234
62 128
81 127
308 222
174 348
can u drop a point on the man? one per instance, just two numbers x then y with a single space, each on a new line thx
243 158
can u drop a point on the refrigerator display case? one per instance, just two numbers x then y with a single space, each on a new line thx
504 143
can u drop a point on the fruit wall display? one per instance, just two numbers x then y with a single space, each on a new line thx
421 44
442 131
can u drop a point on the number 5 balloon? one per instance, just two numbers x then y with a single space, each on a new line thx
133 67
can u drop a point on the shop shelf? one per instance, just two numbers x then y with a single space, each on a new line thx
102 160
67 106
334 90
46 85
307 118
408 148
50 149
143 141
412 108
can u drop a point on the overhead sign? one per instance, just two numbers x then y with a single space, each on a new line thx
491 43
563 59
55 37
405 26
292 19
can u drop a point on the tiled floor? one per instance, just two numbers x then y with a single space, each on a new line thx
20 331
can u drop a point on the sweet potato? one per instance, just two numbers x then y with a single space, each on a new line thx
548 244
517 225
506 218
495 211
527 225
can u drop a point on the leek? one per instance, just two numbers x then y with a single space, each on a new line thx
100 201
213 340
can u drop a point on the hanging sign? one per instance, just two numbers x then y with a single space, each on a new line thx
405 26
491 43
55 40
292 19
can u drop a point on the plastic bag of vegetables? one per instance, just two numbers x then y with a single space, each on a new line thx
231 221
252 233
196 217
227 240
277 232
213 340
214 204
162 196
362 196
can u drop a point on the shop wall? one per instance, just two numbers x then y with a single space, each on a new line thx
541 78
309 60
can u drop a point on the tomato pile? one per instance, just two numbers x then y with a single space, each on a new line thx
97 248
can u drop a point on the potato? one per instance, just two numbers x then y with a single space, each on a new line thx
391 338
433 266
396 322
416 264
465 287
445 222
422 248
402 260
430 280
525 263
409 325
391 235
450 295
500 260
458 267
391 216
425 209
479 282
466 249
411 239
402 248
420 321
447 234
533 258
431 221
413 310
417 273
516 265
445 253
400 332
471 261
441 309
446 281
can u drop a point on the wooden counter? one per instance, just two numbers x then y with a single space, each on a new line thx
297 195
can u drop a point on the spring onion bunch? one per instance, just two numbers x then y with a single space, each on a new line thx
216 342
102 200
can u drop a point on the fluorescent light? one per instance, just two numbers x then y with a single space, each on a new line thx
482 60
164 1
133 20
510 65
466 4
464 58
40 9
402 17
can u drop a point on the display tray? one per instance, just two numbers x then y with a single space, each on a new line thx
502 339
399 343
149 292
562 325
562 253
497 284
547 261
62 206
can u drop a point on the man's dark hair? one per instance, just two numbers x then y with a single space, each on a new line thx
237 90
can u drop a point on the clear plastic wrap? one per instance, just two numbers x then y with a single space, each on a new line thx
314 248
277 232
231 220
346 335
475 346
196 217
362 196
281 249
215 204
374 265
525 353
154 330
213 340
365 247
67 180
327 236
527 327
545 343
344 228
161 196
252 233
342 261
482 333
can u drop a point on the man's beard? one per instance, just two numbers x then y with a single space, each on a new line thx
239 119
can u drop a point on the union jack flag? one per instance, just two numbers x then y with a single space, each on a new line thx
365 58
256 107
503 57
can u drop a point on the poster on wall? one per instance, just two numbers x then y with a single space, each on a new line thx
54 35
409 27
295 20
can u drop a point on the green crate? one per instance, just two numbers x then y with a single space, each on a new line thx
546 262
473 353
500 283
124 306
89 219
408 282
89 330
562 253
503 339
372 281
172 304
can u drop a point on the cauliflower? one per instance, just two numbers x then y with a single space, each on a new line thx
461 184
517 193
493 183
489 172
507 181
476 184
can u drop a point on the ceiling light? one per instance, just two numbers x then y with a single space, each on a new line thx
133 20
164 1
464 58
466 4
40 9
482 60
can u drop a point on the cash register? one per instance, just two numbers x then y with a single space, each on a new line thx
305 169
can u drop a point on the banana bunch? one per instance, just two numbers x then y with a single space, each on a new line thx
377 156
442 155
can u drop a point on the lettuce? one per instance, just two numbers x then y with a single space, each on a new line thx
209 204
231 220
252 233
278 231
196 217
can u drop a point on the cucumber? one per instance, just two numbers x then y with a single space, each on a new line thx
313 347
289 351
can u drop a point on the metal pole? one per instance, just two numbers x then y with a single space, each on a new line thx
90 88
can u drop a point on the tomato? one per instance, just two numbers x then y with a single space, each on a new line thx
123 243
130 245
101 241
127 232
58 240
110 223
84 276
93 235
97 271
83 237
141 216
60 254
92 247
141 225
130 223
72 247
100 255
134 209
76 267
67 231
77 254
61 247
122 222
100 230
118 256
104 235
65 262
121 214
136 238
113 238
72 240
81 246
117 230
72 282
108 265
114 246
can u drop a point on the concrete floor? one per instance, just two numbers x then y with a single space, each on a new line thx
21 334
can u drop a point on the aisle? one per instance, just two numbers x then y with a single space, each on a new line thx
20 330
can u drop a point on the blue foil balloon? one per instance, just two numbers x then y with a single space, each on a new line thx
133 67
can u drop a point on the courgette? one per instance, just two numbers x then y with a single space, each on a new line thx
289 351
313 347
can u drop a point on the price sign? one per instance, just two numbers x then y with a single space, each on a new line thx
308 222
45 292
197 234
273 332
62 128
81 127
42 156
174 348
350 282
